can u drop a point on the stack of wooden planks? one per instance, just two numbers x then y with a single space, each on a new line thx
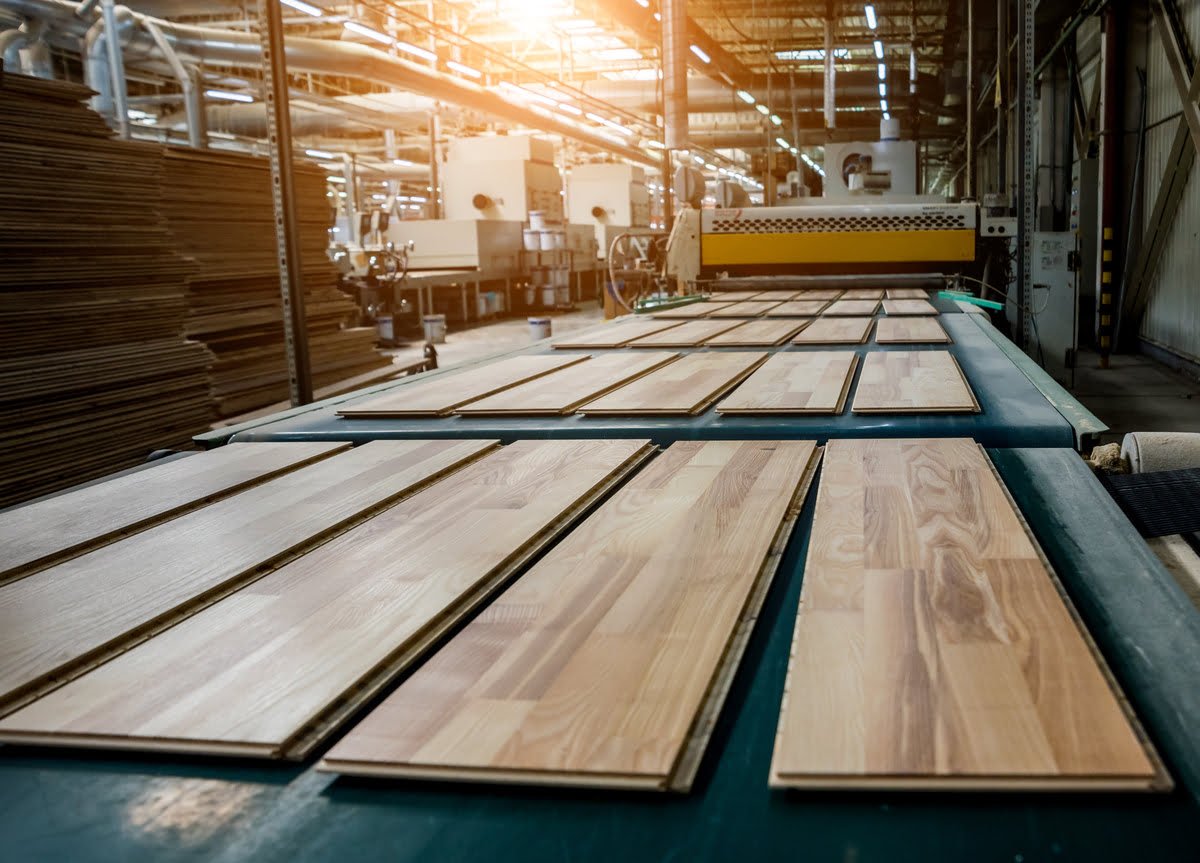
933 647
221 214
95 369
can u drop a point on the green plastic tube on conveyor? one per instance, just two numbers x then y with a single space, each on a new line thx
972 299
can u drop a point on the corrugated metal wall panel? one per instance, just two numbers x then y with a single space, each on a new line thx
1173 314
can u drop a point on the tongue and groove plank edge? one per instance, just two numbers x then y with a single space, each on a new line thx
332 628
48 531
933 646
61 621
605 669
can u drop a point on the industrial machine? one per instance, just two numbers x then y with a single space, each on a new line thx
501 177
612 197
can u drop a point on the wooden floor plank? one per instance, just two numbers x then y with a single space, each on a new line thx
692 310
910 330
932 647
909 307
688 335
855 308
562 392
274 668
776 296
599 665
863 294
907 294
913 382
52 530
826 294
682 388
439 395
615 334
746 309
733 296
798 309
759 333
835 331
798 382
76 613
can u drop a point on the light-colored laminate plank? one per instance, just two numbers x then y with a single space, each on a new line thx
733 296
758 333
615 334
913 382
564 391
48 531
797 382
692 310
776 296
909 307
835 331
440 394
76 613
932 648
607 662
907 294
688 335
863 294
910 330
797 309
747 309
274 668
682 388
854 308
826 294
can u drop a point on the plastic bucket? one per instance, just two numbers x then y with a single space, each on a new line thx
435 328
548 297
533 239
539 328
537 220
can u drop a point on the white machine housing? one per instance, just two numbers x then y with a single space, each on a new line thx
893 163
449 244
514 173
612 197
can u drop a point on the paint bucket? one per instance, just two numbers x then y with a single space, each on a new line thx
537 220
533 239
564 296
435 328
548 297
539 328
547 240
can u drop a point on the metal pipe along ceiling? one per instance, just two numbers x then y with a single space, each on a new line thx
327 57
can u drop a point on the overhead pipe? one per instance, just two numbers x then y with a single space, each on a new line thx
193 98
675 49
109 12
344 59
26 37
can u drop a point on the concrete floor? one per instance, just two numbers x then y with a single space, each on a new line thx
1136 394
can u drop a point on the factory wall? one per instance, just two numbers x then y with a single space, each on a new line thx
1172 319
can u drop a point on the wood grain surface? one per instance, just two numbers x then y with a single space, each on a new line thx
907 294
615 334
835 331
51 530
797 382
759 333
932 648
797 309
562 392
910 330
909 307
440 394
826 294
856 308
747 309
913 382
692 310
268 671
687 335
776 296
682 388
75 613
600 665
863 294
733 296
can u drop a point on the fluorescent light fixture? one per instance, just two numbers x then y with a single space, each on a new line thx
878 49
683 152
699 160
882 71
363 30
414 206
418 199
301 6
870 11
228 96
656 145
795 152
376 196
883 105
334 179
882 89
886 115
782 142
775 119
710 166
455 66
699 52
657 17
604 121
569 109
762 109
319 154
746 97
403 162
645 4
416 51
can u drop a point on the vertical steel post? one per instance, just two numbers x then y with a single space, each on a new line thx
1106 310
1002 96
674 69
970 181
1027 152
283 187
435 168
667 185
